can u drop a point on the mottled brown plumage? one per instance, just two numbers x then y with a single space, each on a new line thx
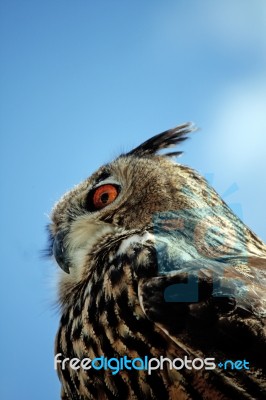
129 240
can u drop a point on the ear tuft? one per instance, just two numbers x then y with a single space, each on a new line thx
163 140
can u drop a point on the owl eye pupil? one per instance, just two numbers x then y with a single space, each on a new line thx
104 198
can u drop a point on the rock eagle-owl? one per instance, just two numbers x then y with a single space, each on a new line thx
154 265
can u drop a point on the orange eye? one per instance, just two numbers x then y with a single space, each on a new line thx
104 195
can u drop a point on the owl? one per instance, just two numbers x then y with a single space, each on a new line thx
161 286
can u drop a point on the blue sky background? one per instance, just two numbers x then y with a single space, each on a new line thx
82 81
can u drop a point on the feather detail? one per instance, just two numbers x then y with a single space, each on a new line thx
166 139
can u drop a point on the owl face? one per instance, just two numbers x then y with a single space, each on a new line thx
121 196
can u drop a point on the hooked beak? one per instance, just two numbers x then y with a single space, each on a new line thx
59 252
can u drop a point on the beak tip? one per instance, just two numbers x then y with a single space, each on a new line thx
64 267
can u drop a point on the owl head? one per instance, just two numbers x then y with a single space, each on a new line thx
124 196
